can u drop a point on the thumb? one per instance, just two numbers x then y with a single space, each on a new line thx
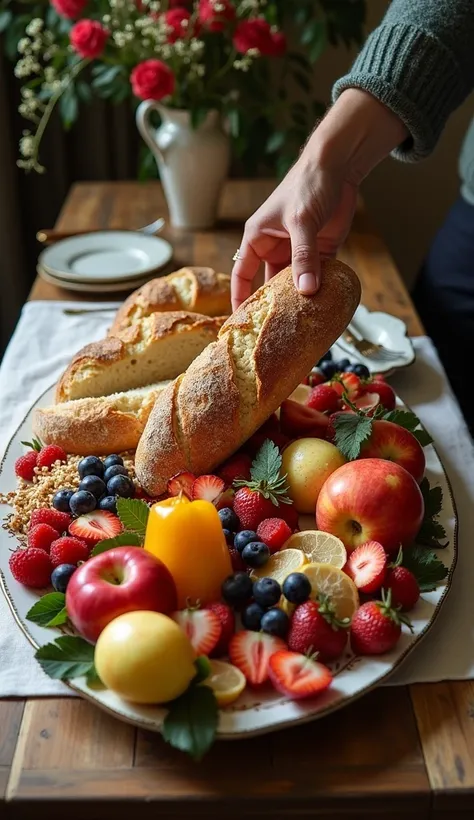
305 256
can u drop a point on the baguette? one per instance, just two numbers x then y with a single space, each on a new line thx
156 348
97 426
201 290
264 350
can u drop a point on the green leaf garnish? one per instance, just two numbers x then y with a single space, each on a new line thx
67 657
351 431
133 514
265 475
191 722
125 539
431 531
425 565
411 422
50 610
203 668
35 444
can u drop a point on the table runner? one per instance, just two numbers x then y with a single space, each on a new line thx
42 345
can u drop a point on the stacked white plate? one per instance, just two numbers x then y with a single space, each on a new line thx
104 261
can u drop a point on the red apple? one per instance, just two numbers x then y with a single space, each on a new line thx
371 500
394 443
120 580
298 421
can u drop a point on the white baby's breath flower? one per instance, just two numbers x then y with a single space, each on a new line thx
146 42
27 146
24 45
218 6
128 27
34 26
27 93
253 52
49 74
106 19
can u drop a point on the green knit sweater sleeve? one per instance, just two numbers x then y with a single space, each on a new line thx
420 63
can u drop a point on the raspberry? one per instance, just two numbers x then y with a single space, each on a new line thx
274 532
237 561
42 536
49 454
68 550
44 515
31 567
25 465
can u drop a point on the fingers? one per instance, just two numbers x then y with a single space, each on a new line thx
243 273
305 254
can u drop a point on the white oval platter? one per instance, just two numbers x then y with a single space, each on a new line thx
255 712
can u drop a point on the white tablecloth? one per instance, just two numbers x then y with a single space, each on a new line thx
43 343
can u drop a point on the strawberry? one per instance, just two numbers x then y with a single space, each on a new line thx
68 550
376 626
31 567
49 454
207 488
251 651
315 628
25 465
95 526
297 420
296 675
227 621
274 532
238 563
45 515
314 378
225 499
404 587
181 483
368 403
323 398
202 626
42 536
387 395
237 466
366 566
347 383
258 497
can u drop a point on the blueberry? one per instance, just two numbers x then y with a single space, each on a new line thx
256 554
237 589
252 617
93 484
115 469
109 503
326 358
296 588
121 485
61 500
328 369
111 460
229 519
229 537
360 370
275 622
61 575
90 465
267 592
243 538
82 502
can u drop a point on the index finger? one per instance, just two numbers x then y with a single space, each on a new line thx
243 273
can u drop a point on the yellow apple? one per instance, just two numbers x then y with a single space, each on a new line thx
308 462
145 657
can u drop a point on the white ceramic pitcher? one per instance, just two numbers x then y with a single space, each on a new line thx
193 162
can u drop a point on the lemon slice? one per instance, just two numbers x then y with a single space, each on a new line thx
280 565
226 681
319 547
334 583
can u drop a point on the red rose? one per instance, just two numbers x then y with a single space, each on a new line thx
257 34
214 14
152 80
88 38
174 19
279 44
71 9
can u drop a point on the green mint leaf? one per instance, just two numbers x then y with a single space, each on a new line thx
431 532
191 722
68 657
404 418
433 498
125 539
49 610
133 514
203 669
425 565
35 444
423 437
351 431
266 464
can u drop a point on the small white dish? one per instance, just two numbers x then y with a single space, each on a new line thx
106 256
383 329
92 287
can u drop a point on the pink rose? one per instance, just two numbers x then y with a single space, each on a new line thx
152 80
71 9
257 34
174 19
214 14
88 38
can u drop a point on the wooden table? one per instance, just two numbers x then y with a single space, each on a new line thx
397 753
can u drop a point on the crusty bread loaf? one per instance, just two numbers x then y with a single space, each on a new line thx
156 348
201 290
264 350
98 426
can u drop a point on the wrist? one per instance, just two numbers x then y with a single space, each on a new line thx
357 133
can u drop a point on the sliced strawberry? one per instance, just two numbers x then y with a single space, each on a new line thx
202 626
207 488
367 566
368 403
314 378
227 620
96 526
251 651
347 383
182 483
296 675
297 420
